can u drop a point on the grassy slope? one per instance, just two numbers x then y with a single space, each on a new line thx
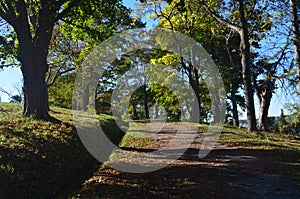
39 159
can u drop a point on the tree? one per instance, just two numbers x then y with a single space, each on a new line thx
265 86
294 117
264 90
180 16
33 23
60 93
234 73
268 67
241 26
294 7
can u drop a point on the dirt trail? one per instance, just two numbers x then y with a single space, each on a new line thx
226 172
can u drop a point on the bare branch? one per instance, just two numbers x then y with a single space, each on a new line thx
219 18
4 91
58 74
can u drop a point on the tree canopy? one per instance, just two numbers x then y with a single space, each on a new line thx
254 44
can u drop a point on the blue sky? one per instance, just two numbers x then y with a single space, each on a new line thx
10 78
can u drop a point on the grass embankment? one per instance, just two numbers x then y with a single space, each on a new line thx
39 159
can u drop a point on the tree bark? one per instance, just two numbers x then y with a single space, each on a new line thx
193 76
194 81
34 68
32 54
34 88
146 107
135 114
246 72
296 38
35 95
266 96
233 89
235 114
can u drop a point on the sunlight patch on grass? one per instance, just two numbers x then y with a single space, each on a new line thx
134 140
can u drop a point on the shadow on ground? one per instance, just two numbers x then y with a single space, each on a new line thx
224 173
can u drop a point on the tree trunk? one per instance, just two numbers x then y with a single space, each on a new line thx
296 33
85 98
32 54
146 107
266 96
34 88
193 75
246 72
194 81
156 109
235 113
216 107
232 88
135 114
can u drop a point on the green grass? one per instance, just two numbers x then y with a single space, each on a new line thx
282 151
259 140
40 159
133 140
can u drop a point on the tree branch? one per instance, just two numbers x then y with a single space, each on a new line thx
4 91
59 74
63 13
252 10
220 19
6 13
256 88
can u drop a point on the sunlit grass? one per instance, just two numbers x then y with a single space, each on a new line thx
259 140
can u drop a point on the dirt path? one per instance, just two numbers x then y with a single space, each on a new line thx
226 172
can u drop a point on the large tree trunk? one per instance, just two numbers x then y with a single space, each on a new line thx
33 52
34 88
263 114
266 96
216 107
296 33
35 94
246 72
